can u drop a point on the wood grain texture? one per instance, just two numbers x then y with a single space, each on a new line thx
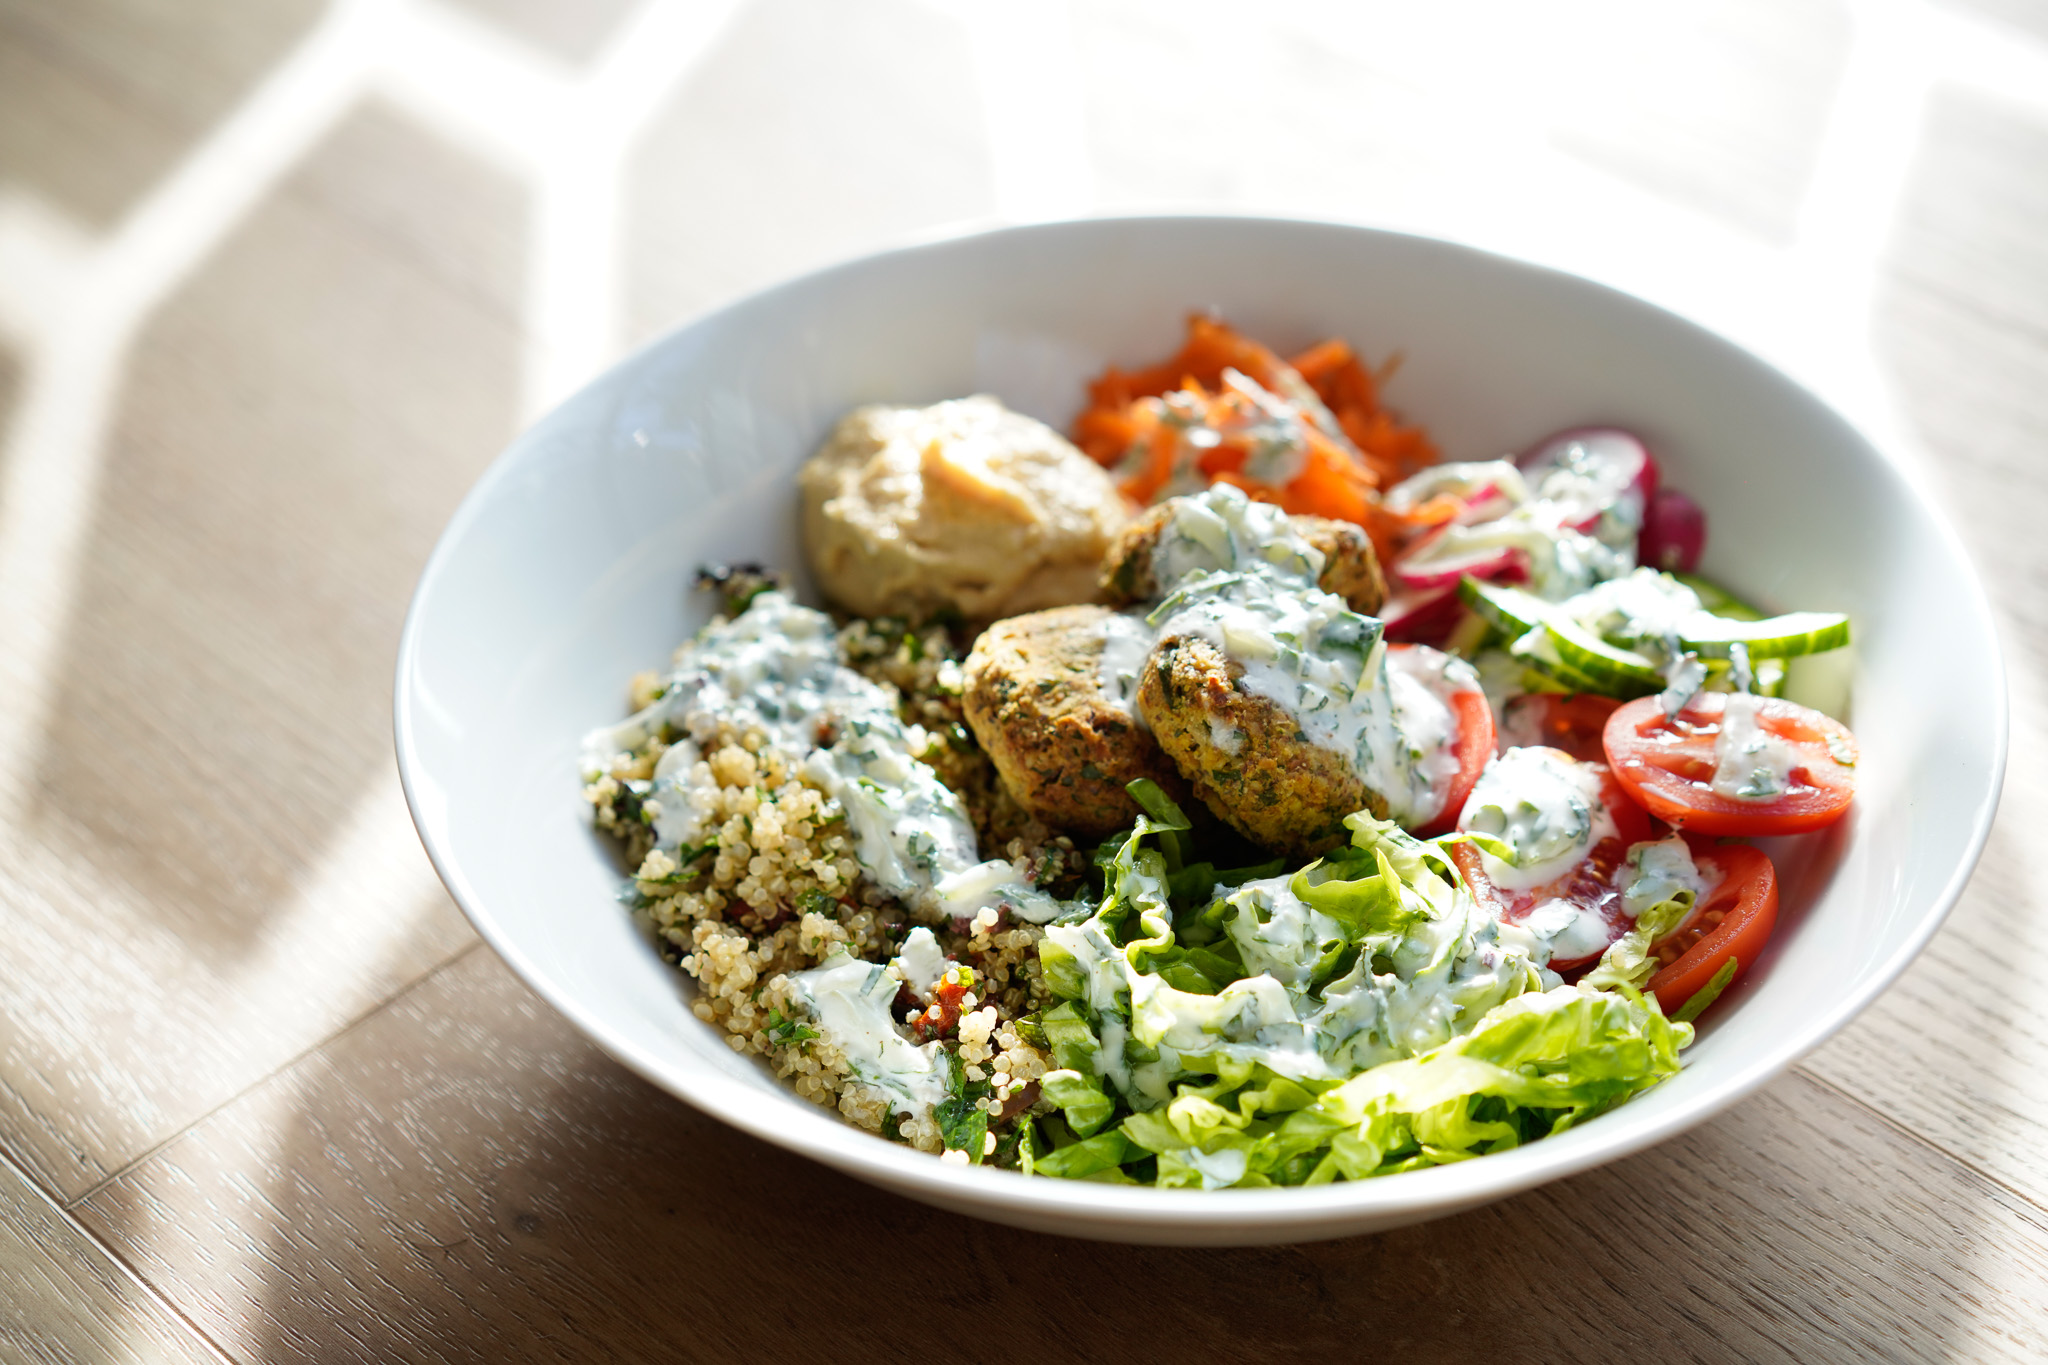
98 98
216 871
1718 106
463 1177
1384 113
1957 1049
85 148
63 1299
888 132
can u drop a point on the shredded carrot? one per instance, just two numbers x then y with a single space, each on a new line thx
1134 421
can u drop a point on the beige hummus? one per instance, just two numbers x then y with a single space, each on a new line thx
963 505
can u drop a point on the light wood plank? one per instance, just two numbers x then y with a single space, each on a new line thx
1720 106
1388 113
216 871
463 1177
575 33
98 98
1956 1050
68 138
63 1299
810 133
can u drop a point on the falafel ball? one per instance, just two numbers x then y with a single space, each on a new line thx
1351 568
1244 755
1063 746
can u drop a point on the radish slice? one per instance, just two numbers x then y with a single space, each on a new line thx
1674 533
1592 470
1431 564
1420 573
1422 617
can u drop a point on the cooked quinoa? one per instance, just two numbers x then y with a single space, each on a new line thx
774 887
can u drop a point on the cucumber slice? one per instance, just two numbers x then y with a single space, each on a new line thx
1773 637
1540 657
1616 671
1768 678
1779 637
1508 610
1718 599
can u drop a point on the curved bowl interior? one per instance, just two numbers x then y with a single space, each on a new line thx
567 568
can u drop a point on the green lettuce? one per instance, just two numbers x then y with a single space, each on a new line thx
1539 1064
1362 1017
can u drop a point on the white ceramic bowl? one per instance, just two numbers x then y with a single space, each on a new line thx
567 569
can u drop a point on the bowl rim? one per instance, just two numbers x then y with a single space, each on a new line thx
1327 1210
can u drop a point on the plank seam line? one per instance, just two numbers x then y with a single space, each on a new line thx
148 1290
157 1148
1997 1182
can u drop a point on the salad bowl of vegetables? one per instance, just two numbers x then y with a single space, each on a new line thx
1791 687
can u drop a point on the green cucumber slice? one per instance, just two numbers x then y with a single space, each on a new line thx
1540 657
1614 670
1508 610
1767 677
1718 599
1774 637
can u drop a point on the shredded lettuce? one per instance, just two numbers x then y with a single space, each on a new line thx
1707 994
1660 886
1359 1017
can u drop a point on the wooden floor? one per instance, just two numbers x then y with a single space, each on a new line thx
276 282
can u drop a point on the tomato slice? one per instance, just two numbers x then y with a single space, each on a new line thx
1588 887
1576 723
1668 764
1734 919
1473 746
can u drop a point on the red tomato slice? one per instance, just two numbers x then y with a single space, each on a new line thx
1575 724
1734 919
1474 746
1588 886
1668 765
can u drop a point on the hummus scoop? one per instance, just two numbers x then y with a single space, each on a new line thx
962 507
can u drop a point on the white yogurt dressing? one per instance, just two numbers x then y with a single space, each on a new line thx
775 667
850 1000
1751 763
1126 640
1239 576
921 962
1657 872
1405 994
1543 804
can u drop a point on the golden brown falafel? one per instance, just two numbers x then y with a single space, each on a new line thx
1245 756
1351 569
1063 746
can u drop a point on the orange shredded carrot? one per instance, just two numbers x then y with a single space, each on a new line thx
1124 428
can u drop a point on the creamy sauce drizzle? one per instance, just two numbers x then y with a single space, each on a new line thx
1404 995
1126 640
1238 575
1751 763
1544 805
850 1000
776 668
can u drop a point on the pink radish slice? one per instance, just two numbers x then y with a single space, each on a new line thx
1426 566
1422 617
1620 460
1674 533
1493 563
